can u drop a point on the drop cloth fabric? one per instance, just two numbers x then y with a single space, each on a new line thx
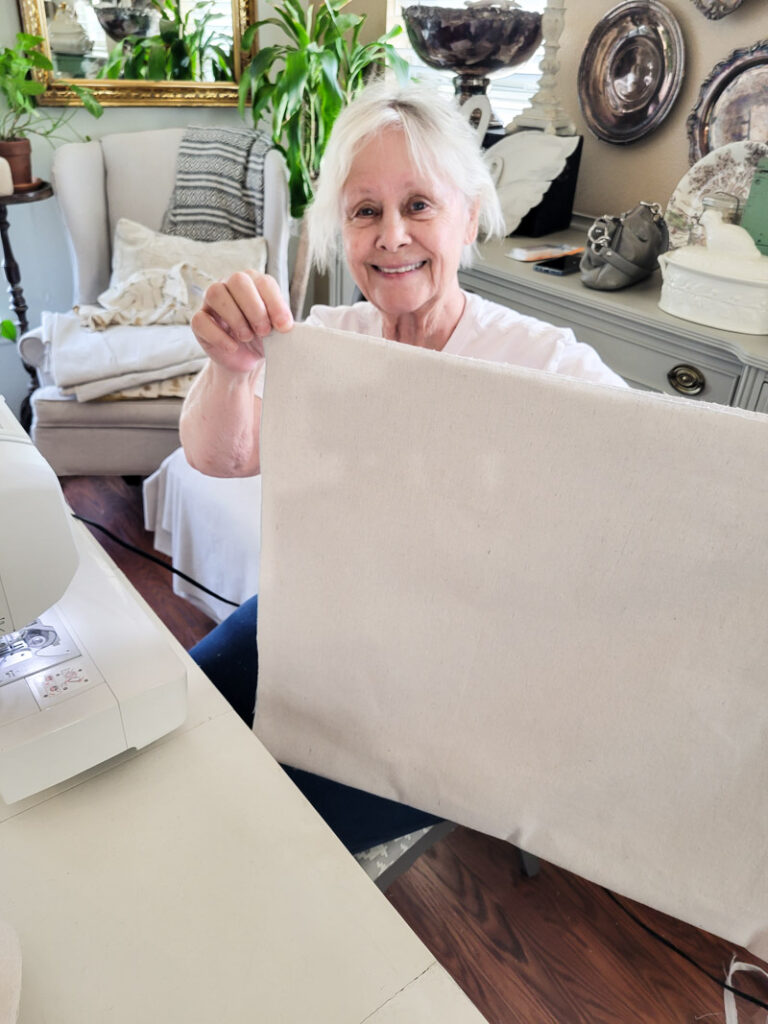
529 604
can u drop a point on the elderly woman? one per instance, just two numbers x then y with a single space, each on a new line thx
405 190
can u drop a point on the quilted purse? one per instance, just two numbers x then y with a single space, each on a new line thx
623 250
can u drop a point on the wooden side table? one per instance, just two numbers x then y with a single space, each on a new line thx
43 190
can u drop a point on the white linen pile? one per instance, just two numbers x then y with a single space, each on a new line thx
152 296
139 336
532 605
90 364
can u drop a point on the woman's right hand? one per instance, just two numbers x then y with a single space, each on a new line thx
236 316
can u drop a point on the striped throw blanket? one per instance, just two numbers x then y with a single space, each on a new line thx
218 192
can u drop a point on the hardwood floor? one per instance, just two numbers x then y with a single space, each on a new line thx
553 949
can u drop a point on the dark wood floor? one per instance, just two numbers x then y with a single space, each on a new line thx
553 949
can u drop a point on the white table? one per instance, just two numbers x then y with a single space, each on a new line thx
192 882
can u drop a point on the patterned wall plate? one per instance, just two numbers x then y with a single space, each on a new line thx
631 71
727 169
732 104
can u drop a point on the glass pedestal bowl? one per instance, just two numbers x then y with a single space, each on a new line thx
119 21
474 41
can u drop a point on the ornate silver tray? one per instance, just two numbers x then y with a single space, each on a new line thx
631 71
732 104
714 9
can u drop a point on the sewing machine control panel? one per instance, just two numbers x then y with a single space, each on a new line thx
42 665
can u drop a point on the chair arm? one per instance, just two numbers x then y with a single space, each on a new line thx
33 349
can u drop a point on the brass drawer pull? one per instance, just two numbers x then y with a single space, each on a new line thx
686 379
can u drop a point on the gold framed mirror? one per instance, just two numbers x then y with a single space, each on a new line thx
82 46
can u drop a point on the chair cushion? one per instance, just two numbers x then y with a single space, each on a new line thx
52 407
128 438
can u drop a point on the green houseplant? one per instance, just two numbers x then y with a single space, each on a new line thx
22 67
183 49
302 85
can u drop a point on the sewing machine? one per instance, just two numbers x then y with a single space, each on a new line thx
85 673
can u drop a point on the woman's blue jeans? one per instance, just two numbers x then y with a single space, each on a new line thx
228 655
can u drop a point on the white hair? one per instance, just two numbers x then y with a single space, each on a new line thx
441 142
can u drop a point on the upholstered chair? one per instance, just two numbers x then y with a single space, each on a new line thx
127 175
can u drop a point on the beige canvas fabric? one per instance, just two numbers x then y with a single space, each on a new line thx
532 605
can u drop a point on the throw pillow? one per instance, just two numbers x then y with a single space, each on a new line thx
137 247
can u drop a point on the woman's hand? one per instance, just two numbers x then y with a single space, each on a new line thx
236 316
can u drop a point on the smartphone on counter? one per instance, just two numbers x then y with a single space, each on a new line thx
532 253
560 265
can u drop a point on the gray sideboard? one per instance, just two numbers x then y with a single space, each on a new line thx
649 348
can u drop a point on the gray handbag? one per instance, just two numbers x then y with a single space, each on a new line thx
623 250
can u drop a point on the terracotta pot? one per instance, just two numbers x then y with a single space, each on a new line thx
18 153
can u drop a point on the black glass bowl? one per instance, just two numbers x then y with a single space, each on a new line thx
119 22
475 41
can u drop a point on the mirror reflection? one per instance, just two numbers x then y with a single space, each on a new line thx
137 52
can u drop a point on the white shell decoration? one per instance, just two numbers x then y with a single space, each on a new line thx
523 166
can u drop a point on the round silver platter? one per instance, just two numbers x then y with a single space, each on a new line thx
631 71
733 102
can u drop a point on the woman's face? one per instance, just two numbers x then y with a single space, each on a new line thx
403 230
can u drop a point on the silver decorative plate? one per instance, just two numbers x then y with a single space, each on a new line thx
631 71
714 9
732 104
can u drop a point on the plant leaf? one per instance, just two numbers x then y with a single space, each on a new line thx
88 100
156 63
294 79
263 60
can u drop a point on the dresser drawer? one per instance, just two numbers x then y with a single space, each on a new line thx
670 370
642 354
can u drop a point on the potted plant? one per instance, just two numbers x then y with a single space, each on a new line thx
303 84
22 68
183 49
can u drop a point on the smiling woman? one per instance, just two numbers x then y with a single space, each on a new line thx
404 234
195 60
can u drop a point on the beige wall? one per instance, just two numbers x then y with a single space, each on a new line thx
613 178
376 16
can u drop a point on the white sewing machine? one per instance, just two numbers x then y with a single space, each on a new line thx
85 673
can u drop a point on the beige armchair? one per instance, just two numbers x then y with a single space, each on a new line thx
96 183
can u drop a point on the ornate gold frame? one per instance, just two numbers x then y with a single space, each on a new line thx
121 93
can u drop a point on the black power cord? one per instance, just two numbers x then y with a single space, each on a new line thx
685 956
153 558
